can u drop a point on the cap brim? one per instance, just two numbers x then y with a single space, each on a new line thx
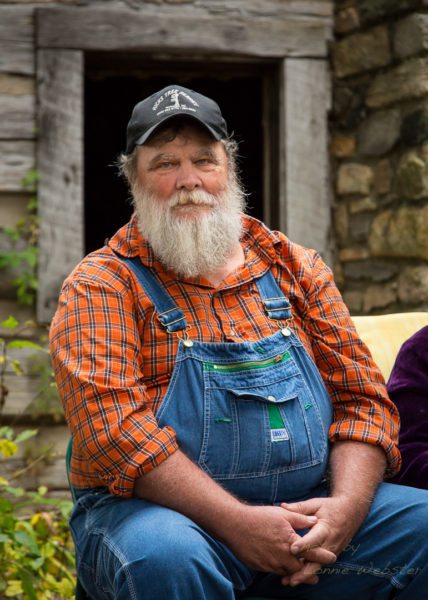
143 138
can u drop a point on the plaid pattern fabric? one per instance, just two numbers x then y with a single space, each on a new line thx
113 360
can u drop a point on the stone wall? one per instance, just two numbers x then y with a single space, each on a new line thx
379 149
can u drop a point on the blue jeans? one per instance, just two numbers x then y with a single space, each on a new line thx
131 549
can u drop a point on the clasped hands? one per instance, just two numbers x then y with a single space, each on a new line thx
268 541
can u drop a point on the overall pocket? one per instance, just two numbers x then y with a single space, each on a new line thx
260 418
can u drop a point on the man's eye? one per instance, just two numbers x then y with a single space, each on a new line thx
165 165
203 161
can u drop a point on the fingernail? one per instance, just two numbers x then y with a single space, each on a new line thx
295 550
313 519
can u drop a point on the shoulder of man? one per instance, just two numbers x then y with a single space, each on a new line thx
104 267
280 247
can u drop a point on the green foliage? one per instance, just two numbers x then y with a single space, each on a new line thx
24 253
46 399
36 552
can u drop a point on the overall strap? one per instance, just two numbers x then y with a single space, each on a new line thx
276 304
170 315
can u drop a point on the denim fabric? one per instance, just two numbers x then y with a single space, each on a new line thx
255 416
131 549
219 400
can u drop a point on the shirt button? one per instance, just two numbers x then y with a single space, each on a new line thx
271 398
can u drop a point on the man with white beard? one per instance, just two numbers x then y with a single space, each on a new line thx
230 430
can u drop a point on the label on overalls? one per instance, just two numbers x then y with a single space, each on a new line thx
278 432
279 435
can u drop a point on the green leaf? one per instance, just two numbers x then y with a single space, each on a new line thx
47 550
6 432
42 490
16 366
12 233
25 435
27 584
30 179
22 537
37 563
19 344
32 204
14 491
65 588
10 323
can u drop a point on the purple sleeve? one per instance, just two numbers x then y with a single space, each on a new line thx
408 388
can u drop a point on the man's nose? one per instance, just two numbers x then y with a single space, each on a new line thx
188 178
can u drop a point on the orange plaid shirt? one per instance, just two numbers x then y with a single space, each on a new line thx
113 359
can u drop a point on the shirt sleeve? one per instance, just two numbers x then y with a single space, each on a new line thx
96 354
362 410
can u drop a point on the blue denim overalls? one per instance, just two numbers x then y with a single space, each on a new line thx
253 415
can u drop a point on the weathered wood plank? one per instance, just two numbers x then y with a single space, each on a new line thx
16 39
17 85
16 159
97 29
305 215
13 207
60 162
17 118
53 475
22 391
321 8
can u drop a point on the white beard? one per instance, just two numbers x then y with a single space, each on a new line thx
196 244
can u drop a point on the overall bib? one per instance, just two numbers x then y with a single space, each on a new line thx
253 415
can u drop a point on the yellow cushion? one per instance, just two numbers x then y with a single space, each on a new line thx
384 335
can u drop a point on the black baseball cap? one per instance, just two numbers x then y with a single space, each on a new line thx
170 102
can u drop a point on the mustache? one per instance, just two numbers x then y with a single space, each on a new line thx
196 197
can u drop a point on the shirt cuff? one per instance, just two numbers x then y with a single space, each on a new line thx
357 432
156 450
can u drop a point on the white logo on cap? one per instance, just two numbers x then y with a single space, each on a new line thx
177 100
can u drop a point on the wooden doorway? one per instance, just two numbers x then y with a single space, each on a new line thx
246 92
286 53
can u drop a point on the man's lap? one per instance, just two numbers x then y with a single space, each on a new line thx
386 553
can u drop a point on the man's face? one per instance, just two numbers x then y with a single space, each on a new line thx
193 161
188 202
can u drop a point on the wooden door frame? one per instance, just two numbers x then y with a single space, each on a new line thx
63 34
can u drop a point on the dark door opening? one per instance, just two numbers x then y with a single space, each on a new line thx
113 85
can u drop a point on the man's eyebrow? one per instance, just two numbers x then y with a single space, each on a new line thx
161 156
207 152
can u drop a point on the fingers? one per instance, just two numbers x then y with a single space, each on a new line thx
308 575
320 555
299 521
306 507
313 539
